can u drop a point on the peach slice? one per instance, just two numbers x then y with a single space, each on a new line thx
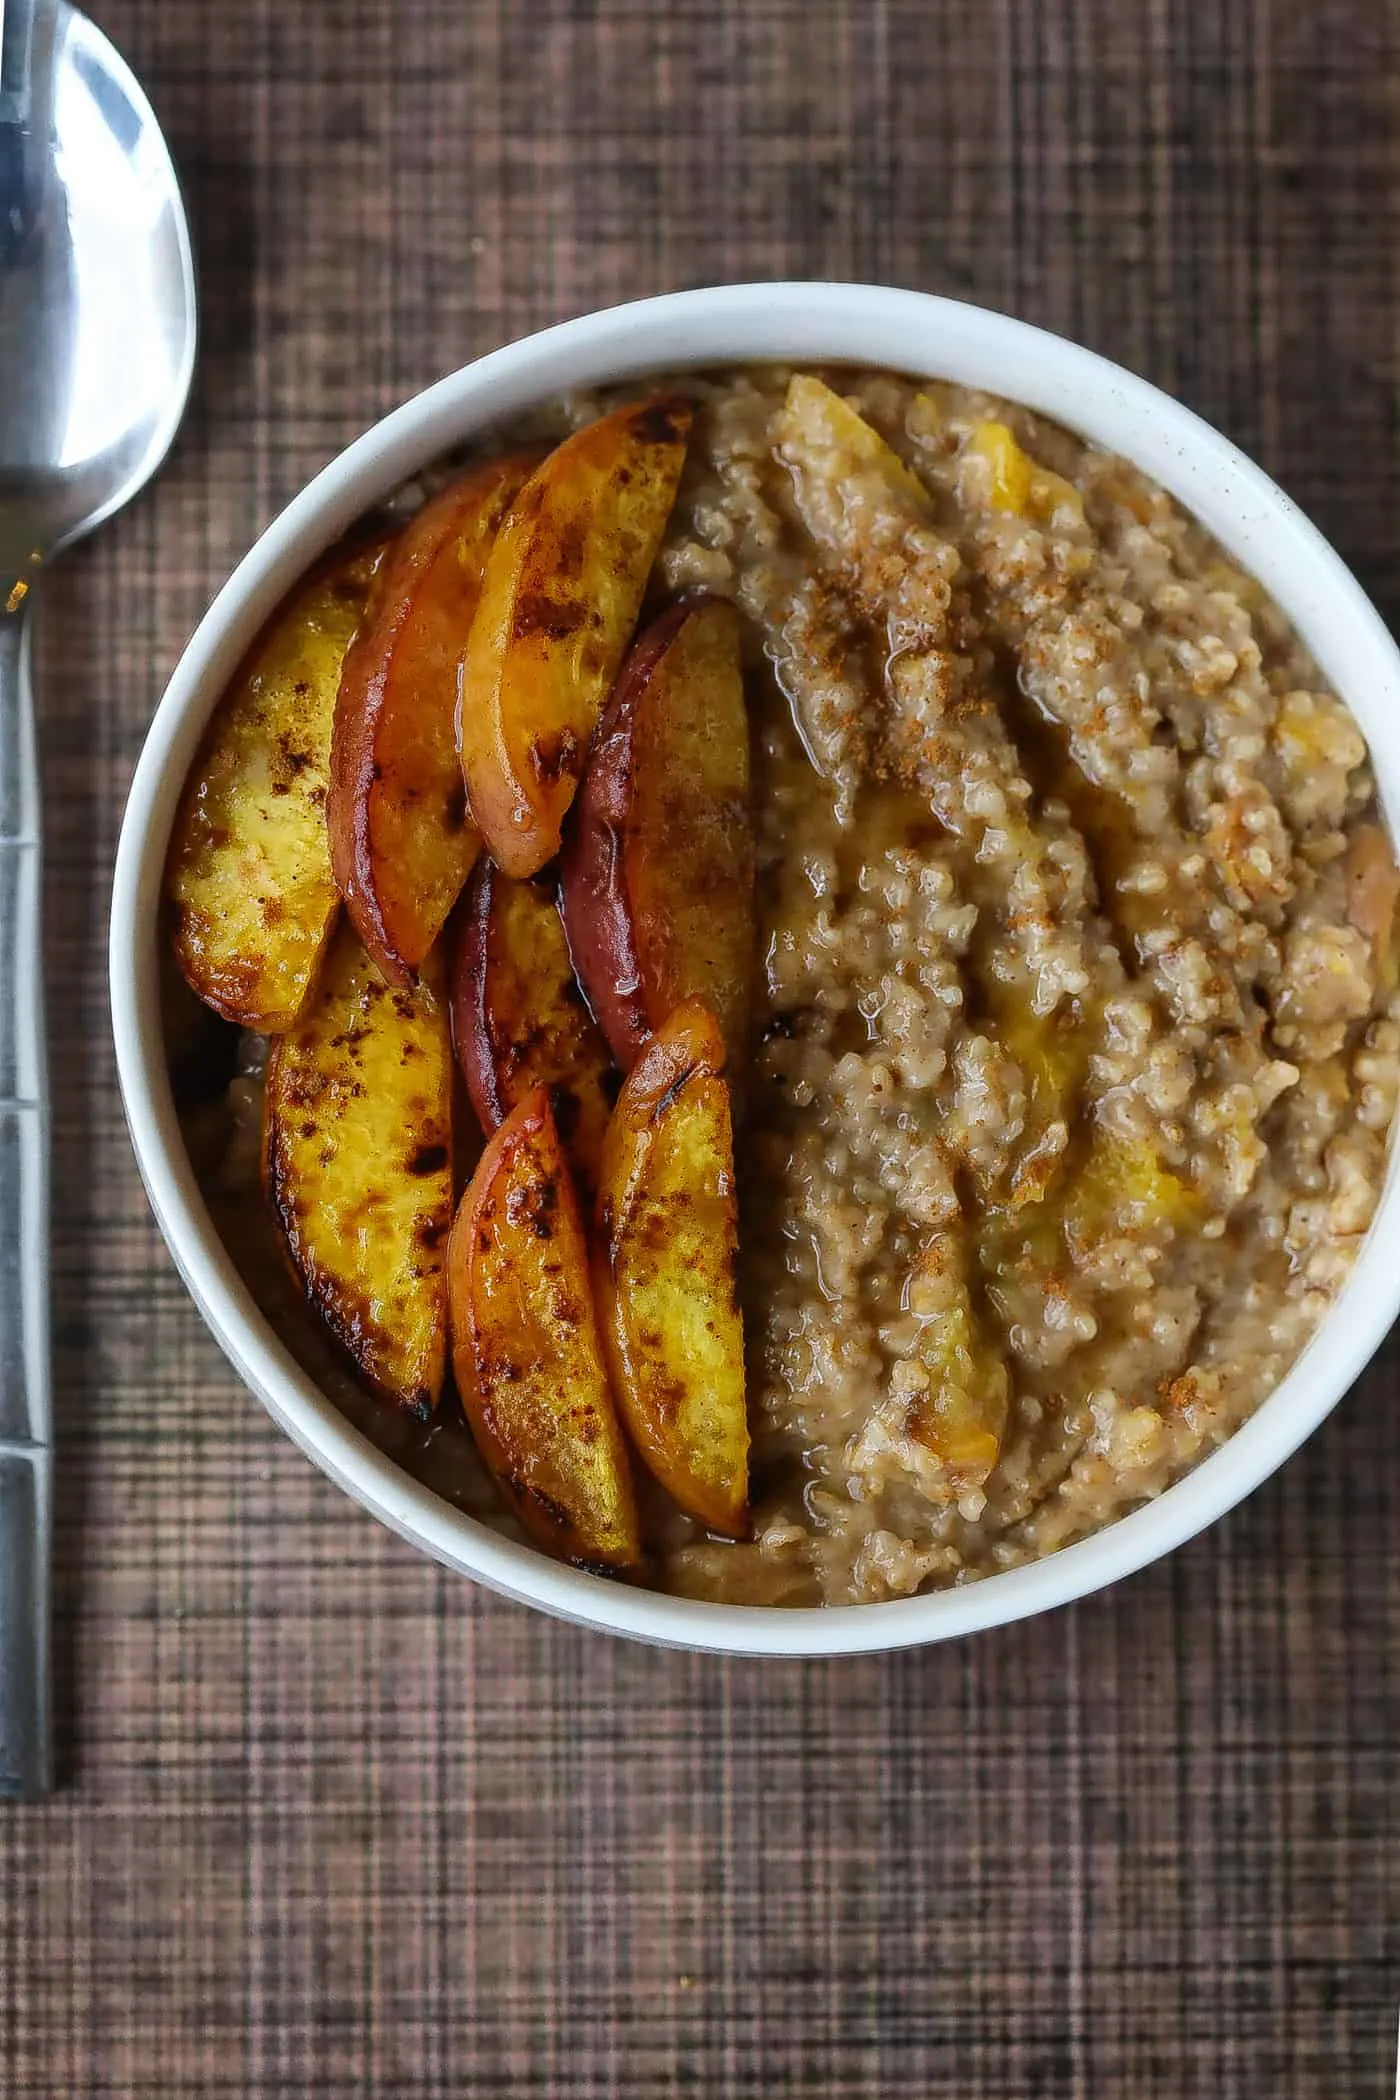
248 876
563 587
401 841
519 1019
526 1349
666 1263
357 1161
658 868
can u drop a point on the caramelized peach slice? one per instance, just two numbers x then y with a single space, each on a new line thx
526 1349
401 842
668 1251
357 1160
563 587
519 1020
658 888
249 870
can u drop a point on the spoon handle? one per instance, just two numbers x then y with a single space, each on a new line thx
25 1397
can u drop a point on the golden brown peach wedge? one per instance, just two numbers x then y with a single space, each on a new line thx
401 841
526 1350
658 868
248 875
357 1151
563 587
667 1255
519 1019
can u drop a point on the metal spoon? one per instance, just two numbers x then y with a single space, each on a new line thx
97 335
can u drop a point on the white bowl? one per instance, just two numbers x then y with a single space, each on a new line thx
865 325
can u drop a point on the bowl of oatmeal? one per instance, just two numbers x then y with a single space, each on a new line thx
1059 1100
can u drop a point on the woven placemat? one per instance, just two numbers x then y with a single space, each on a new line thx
340 1824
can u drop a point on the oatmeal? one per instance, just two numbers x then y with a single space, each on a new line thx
1075 1040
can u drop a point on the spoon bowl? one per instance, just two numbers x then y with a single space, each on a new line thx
97 296
97 344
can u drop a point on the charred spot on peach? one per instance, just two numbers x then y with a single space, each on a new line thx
553 756
428 1159
665 421
534 1204
555 618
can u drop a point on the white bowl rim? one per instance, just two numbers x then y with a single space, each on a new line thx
869 325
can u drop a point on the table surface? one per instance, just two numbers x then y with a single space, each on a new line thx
335 1821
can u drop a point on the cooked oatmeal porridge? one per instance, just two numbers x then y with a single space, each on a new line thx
1076 1038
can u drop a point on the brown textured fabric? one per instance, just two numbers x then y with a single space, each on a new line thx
339 1824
